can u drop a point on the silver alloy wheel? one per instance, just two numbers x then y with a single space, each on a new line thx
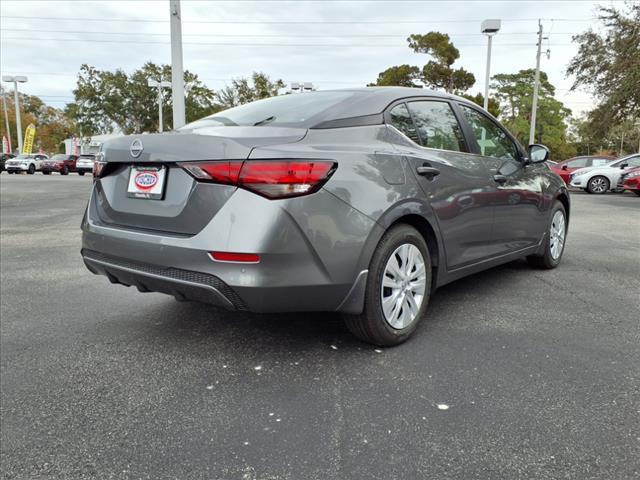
556 234
403 286
598 185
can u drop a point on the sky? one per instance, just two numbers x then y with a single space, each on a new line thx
334 44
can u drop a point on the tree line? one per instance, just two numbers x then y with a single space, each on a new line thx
607 65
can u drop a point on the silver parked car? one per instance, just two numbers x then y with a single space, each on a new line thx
357 201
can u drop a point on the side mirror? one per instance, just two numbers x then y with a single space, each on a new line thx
624 165
564 167
539 153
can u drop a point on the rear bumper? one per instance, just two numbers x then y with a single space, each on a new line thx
306 264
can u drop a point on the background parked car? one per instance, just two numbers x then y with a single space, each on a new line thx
567 167
3 158
30 163
85 163
630 180
61 163
602 179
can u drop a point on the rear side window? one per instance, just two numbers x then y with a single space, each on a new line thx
401 119
437 126
577 163
492 140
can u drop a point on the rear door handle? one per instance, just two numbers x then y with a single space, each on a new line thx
428 171
499 178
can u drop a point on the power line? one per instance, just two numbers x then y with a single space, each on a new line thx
227 44
255 35
301 22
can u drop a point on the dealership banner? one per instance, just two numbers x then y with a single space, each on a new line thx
29 136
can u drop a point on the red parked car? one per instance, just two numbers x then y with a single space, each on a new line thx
61 163
566 167
630 180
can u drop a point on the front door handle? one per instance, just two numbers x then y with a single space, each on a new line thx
429 172
501 179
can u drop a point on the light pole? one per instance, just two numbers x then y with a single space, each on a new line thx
17 79
159 86
489 27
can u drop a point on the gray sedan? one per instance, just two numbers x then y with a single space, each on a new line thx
357 201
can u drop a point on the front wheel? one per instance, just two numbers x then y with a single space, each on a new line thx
65 171
32 169
637 192
555 240
397 291
598 185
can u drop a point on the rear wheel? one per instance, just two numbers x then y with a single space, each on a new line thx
555 240
398 289
637 192
65 171
32 169
598 185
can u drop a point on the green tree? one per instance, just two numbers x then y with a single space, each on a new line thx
515 94
478 99
608 62
401 76
106 101
245 90
438 73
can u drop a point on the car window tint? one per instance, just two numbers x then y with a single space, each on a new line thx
437 126
401 119
577 163
493 140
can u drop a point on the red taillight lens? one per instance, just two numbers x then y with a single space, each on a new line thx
235 257
97 168
269 178
218 172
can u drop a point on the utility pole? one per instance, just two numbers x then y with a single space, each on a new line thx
6 118
177 71
489 28
536 86
159 85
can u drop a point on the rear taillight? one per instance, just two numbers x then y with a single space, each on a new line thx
235 257
269 178
97 168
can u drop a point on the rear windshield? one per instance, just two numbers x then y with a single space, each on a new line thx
285 110
86 157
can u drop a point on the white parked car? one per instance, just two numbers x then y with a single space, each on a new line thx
84 163
604 178
30 163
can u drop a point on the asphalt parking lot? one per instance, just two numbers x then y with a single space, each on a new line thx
540 371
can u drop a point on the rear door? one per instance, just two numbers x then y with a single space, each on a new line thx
453 181
517 189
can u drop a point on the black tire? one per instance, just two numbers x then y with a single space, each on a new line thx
546 260
592 182
32 169
80 173
46 173
65 171
637 192
371 326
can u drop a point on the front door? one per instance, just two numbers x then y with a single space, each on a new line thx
517 188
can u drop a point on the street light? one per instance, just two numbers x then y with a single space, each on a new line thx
16 79
489 27
159 86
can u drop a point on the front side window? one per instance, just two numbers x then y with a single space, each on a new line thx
492 140
632 162
401 119
437 126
